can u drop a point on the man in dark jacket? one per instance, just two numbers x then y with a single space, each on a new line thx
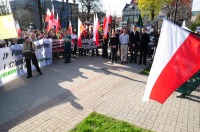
134 47
143 46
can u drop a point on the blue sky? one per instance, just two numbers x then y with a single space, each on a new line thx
196 5
116 6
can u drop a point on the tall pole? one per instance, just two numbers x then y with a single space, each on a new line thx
40 13
175 11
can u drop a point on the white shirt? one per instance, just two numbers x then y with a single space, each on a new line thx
124 38
74 36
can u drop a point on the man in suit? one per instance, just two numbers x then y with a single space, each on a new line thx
134 41
144 46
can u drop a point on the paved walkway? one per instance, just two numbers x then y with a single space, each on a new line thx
67 93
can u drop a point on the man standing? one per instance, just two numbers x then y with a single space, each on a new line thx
124 40
144 46
134 41
67 46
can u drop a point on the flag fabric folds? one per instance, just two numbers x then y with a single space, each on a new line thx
70 27
52 20
57 23
107 20
81 28
96 30
176 61
48 15
18 29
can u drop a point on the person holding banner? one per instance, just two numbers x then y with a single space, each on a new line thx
28 50
67 46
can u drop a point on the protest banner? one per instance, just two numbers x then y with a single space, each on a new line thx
13 64
7 27
58 45
188 87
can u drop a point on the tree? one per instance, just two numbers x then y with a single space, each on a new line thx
182 9
90 5
151 8
196 23
4 7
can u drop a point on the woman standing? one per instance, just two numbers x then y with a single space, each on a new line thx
29 49
114 44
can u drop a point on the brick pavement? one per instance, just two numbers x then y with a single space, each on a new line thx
67 93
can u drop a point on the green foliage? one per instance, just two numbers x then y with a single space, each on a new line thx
99 123
4 8
195 24
146 71
151 8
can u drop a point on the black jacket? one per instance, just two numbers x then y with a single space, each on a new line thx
114 41
134 39
144 40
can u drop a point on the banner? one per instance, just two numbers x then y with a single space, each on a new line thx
90 44
7 27
188 87
58 45
13 64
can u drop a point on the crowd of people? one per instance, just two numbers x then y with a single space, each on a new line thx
120 43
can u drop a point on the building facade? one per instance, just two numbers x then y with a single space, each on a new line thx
26 12
131 12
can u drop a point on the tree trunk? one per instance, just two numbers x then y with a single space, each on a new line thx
152 14
40 14
88 12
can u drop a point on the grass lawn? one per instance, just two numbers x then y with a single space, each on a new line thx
146 71
99 123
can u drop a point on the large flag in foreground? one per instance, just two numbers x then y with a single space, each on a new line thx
175 62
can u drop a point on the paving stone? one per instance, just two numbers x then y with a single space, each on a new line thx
66 94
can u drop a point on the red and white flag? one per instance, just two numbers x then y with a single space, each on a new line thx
95 30
52 20
48 15
18 29
70 27
107 20
81 28
57 23
176 61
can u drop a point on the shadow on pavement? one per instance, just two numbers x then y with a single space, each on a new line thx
22 99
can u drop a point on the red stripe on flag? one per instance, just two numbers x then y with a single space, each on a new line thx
182 66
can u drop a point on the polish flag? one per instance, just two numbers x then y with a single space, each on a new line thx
81 28
94 29
97 31
57 23
18 29
107 21
52 20
48 15
176 61
70 27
